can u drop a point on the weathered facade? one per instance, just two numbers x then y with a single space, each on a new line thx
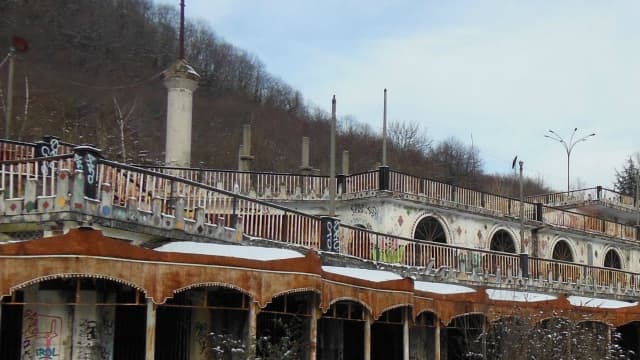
102 260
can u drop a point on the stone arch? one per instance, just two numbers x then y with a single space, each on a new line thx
464 332
337 300
42 279
612 259
431 227
503 240
213 284
562 250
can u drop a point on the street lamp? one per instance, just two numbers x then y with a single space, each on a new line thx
568 146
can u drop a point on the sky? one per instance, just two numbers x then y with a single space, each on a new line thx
497 75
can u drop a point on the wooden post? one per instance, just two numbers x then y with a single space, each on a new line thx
151 330
367 336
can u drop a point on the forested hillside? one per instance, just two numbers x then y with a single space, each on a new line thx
93 74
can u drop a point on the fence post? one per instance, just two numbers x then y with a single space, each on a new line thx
599 192
383 178
524 264
330 234
342 184
86 158
539 214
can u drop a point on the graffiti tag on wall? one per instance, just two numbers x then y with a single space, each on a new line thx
41 336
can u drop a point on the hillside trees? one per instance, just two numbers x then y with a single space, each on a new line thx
626 178
85 54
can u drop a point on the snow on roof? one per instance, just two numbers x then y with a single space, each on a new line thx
364 274
441 288
236 251
521 296
599 303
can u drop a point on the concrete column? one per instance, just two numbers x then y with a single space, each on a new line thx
200 328
436 348
253 329
313 327
405 334
151 330
367 336
181 81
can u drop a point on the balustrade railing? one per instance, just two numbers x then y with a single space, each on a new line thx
588 194
386 248
15 174
361 182
147 190
264 184
259 219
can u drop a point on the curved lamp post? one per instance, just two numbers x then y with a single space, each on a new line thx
568 146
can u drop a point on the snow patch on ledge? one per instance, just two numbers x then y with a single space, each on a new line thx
364 274
599 303
520 296
441 288
236 251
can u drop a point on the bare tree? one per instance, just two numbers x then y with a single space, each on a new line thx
121 119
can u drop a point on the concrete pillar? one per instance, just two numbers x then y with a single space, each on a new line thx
151 331
405 334
46 329
93 328
367 336
181 81
253 329
345 162
244 157
313 327
436 348
200 328
305 168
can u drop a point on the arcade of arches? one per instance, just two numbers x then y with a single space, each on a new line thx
64 298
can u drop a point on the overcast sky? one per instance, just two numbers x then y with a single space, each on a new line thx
499 72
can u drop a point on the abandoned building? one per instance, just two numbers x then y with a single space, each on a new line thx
105 260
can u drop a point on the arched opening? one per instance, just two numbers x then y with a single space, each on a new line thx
503 242
73 318
422 336
430 229
508 338
421 254
202 322
612 260
562 251
341 331
387 334
626 337
283 327
463 337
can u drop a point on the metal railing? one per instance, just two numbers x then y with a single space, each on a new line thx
437 190
153 192
263 184
589 194
15 174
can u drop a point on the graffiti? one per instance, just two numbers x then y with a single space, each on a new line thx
88 341
77 160
330 235
202 331
39 334
46 149
363 209
90 161
390 251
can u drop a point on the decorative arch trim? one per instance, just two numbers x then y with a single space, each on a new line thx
444 224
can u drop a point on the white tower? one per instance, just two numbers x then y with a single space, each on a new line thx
181 81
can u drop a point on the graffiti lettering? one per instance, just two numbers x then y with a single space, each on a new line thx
362 209
39 334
